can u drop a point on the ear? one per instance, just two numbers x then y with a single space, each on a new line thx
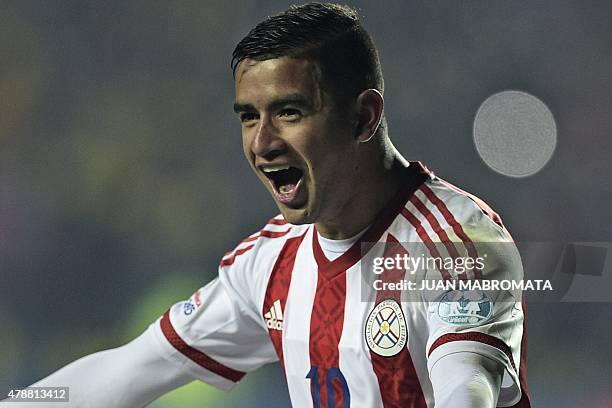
370 105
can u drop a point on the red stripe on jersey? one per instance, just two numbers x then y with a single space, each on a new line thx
194 355
473 336
450 219
274 234
326 323
276 221
249 239
261 233
397 378
278 288
393 248
435 225
232 259
426 240
266 234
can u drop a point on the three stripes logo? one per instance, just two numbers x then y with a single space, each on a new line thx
274 317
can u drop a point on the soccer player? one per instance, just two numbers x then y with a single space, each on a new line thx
309 97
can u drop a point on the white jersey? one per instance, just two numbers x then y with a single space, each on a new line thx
278 297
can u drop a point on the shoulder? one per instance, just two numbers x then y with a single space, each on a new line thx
247 268
260 250
462 212
478 227
444 221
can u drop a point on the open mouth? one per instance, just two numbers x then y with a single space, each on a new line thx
285 180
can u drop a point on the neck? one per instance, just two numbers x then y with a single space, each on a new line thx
374 189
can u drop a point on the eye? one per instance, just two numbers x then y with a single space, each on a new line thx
290 114
246 117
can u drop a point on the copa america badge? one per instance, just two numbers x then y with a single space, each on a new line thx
385 329
461 307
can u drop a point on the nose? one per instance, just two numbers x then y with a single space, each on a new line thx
266 142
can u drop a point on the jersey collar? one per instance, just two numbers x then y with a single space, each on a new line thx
416 174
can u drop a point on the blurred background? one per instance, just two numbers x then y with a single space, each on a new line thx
122 180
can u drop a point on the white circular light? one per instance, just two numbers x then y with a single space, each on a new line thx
515 133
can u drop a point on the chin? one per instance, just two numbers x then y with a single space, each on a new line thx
296 216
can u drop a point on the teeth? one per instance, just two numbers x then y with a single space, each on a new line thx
270 169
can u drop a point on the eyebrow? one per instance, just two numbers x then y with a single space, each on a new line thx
293 99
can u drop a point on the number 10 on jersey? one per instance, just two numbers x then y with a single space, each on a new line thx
331 374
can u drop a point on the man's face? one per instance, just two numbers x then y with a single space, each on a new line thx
298 142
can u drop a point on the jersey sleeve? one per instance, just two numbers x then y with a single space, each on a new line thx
481 319
216 335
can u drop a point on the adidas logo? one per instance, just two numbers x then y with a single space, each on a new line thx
274 318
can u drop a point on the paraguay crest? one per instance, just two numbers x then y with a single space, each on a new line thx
385 329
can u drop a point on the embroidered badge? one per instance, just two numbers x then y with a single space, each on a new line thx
386 332
461 307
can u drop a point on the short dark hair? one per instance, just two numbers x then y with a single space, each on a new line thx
330 35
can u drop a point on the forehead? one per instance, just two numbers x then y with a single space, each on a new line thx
262 80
